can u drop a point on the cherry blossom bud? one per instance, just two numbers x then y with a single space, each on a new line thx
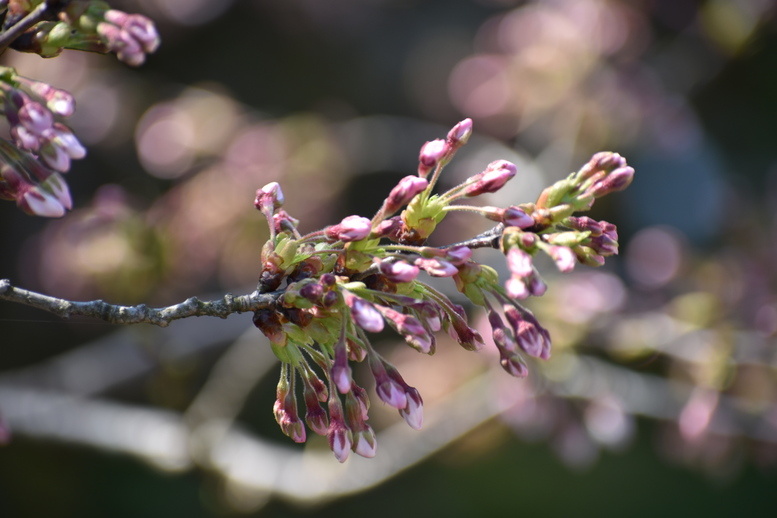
413 413
269 197
58 101
458 255
405 191
138 26
460 133
564 258
431 154
339 436
467 337
36 118
516 288
38 202
617 180
516 217
389 390
601 164
364 442
285 410
397 271
492 179
584 224
436 267
364 313
352 228
389 228
519 262
315 416
513 365
531 337
537 286
341 371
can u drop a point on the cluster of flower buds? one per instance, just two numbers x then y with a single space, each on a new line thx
41 146
337 285
85 25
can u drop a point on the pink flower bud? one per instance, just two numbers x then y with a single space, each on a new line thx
397 271
341 371
432 152
413 413
564 257
40 203
516 288
339 436
364 314
519 262
406 190
269 197
460 133
364 442
492 179
389 228
458 254
515 217
36 118
352 228
617 180
514 366
436 267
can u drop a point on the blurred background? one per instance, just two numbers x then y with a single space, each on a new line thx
661 395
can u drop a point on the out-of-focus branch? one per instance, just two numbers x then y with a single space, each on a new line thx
141 314
16 30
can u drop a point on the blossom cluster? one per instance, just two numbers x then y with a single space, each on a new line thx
86 25
338 284
40 147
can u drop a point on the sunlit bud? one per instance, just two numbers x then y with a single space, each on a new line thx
588 256
138 26
436 267
413 413
399 271
38 202
339 436
269 197
285 410
519 262
458 254
460 133
360 398
389 228
616 181
564 258
283 222
503 337
364 313
584 224
58 101
64 139
315 416
405 191
364 442
36 118
603 245
431 153
312 291
537 286
600 164
513 365
492 179
126 47
341 371
389 391
467 337
352 228
56 185
516 288
515 217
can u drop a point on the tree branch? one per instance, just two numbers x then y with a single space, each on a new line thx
140 314
16 30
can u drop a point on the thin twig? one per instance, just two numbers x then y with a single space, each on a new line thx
13 32
141 314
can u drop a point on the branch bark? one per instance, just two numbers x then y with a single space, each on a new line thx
140 314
